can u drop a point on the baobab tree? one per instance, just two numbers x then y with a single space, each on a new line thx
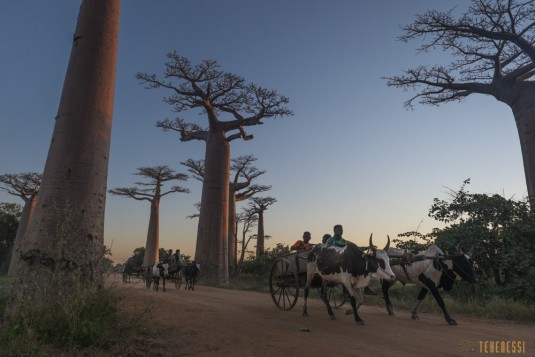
258 205
152 191
65 237
229 105
494 46
26 186
241 188
248 218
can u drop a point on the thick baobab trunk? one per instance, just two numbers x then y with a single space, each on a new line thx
152 246
65 235
211 249
260 235
232 242
25 218
524 113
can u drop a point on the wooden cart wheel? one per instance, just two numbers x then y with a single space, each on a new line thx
283 284
178 279
337 295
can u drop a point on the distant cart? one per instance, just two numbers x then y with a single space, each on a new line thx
289 274
175 275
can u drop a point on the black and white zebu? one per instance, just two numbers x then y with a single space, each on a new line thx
156 272
431 270
349 266
191 271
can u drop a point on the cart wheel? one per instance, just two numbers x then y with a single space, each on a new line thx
178 279
337 295
283 285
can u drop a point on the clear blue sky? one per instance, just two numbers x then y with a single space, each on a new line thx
351 154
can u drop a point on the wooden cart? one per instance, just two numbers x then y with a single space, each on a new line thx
289 274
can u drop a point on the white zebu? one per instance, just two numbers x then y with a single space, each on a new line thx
431 270
160 270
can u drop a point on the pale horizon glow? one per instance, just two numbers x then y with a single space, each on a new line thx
350 155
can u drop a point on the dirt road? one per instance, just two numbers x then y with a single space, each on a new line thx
220 322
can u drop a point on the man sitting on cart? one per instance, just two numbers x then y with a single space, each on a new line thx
304 244
338 241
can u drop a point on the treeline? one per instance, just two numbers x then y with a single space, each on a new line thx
500 233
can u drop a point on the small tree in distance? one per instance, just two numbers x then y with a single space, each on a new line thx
258 205
10 214
153 193
26 186
248 218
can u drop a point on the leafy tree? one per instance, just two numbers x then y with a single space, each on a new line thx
26 186
418 241
136 259
153 193
493 43
261 265
10 214
229 105
107 263
499 231
66 233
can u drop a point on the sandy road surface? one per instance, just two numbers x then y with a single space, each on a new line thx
220 322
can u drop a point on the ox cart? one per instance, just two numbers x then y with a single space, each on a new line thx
288 275
175 275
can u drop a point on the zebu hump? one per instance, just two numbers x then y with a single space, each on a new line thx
333 260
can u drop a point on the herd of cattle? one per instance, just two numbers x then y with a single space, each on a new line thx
353 268
162 271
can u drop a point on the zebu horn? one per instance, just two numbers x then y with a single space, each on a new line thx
387 243
471 251
459 248
372 247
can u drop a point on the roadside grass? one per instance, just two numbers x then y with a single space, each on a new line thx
464 299
85 324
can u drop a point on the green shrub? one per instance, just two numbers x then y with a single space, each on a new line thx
81 321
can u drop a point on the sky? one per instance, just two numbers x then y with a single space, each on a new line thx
351 154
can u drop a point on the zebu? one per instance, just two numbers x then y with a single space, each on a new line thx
127 271
431 270
190 272
349 266
160 270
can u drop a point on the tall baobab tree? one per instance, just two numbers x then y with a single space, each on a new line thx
241 188
494 46
26 186
218 96
258 205
152 192
65 236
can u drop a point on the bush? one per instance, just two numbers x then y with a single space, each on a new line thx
67 325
